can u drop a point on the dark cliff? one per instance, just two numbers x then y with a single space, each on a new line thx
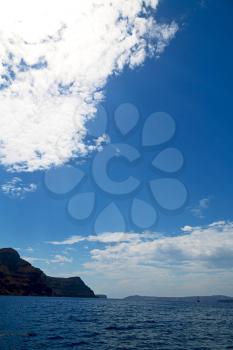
19 277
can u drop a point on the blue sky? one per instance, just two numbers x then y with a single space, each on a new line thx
191 81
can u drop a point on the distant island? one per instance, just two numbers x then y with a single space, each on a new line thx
192 299
18 277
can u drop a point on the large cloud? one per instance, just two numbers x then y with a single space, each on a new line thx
210 246
55 60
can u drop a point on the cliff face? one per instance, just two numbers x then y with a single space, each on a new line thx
69 287
18 277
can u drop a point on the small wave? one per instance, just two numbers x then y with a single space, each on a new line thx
78 343
31 334
55 337
119 328
76 319
91 335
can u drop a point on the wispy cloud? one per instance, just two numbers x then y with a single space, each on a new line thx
52 75
61 259
33 260
29 249
16 188
201 207
69 241
56 259
104 238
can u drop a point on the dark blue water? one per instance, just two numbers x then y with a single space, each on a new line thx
28 323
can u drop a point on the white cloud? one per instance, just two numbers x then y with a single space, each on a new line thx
29 249
199 261
67 250
69 241
33 260
210 247
56 259
61 259
202 206
115 237
55 60
186 228
16 188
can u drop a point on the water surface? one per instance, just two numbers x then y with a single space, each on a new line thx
28 323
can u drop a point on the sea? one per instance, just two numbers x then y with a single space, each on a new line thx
28 323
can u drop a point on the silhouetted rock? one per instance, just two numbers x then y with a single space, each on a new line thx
19 277
69 287
101 296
